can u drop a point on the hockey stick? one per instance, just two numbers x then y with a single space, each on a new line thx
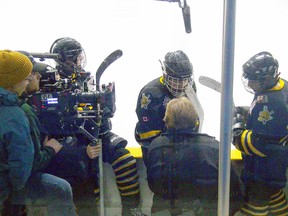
210 83
105 64
213 84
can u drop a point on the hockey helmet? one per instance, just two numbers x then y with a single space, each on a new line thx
72 54
260 72
177 71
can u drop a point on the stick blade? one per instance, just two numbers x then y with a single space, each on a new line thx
210 83
105 64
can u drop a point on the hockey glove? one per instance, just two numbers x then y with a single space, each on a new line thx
239 122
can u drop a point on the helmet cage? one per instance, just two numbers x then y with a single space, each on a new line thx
75 59
175 85
260 84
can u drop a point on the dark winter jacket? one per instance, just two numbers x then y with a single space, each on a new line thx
16 146
184 163
43 155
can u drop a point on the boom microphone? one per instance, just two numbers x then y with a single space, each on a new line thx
186 17
185 12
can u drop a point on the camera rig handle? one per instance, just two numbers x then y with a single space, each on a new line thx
94 140
95 137
43 56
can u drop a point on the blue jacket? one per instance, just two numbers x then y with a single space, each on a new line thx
16 146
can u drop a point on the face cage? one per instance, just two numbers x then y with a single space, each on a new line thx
78 61
73 63
259 85
254 86
177 86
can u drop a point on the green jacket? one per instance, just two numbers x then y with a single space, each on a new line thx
42 155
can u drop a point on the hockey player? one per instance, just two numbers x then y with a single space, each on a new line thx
263 138
71 64
183 164
153 97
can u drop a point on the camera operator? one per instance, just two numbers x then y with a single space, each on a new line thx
72 65
43 155
47 158
18 178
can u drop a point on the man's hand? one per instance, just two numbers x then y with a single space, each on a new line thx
53 143
93 151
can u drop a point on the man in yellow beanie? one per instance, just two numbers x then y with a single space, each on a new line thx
17 185
14 71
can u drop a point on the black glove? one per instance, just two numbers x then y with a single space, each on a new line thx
240 118
239 123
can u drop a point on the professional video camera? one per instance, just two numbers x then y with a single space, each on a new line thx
75 104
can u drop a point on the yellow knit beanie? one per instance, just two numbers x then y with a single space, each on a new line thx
14 68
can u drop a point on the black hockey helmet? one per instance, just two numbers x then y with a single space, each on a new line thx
178 72
260 72
72 54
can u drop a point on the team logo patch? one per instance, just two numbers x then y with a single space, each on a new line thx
265 115
145 101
